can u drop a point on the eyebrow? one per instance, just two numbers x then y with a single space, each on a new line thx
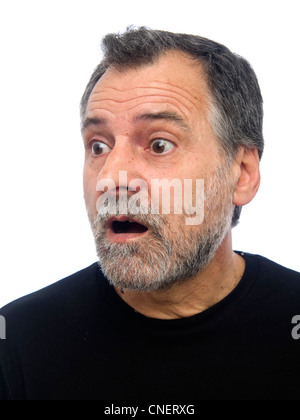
92 121
165 115
147 116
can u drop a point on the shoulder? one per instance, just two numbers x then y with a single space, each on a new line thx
273 271
274 283
58 297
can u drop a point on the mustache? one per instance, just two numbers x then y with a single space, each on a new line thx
143 214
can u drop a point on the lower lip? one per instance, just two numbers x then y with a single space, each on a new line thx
124 237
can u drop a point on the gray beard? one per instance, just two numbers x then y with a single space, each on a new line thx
160 259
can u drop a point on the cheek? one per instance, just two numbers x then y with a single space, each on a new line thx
89 188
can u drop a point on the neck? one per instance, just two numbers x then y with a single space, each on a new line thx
195 295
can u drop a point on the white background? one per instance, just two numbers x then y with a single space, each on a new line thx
48 52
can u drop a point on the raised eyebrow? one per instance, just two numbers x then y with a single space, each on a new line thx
88 122
165 115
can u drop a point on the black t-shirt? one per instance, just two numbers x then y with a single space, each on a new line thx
78 340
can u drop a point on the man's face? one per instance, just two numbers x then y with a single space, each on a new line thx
152 124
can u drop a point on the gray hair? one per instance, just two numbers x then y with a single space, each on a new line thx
236 109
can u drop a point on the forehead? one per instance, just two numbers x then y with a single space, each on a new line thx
175 82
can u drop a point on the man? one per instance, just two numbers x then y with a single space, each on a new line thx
170 311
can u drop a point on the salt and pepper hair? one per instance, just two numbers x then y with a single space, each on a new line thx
236 105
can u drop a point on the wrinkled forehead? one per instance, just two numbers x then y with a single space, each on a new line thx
174 80
175 70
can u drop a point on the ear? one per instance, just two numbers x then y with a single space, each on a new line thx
246 176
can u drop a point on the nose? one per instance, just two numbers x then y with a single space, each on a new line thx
120 168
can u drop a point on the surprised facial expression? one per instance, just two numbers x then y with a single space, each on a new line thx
151 123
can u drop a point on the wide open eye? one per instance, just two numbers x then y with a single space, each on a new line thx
99 148
160 146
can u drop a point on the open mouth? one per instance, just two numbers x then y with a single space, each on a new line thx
122 229
127 227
